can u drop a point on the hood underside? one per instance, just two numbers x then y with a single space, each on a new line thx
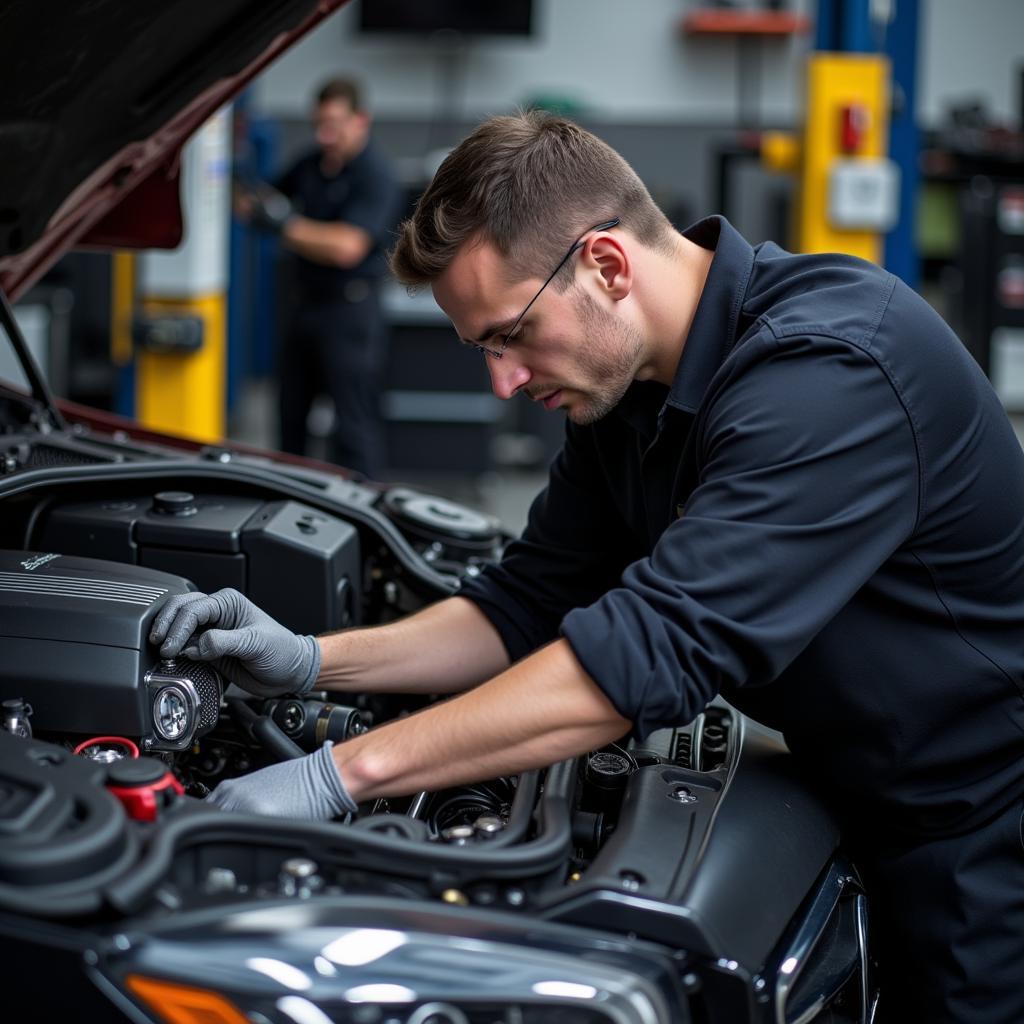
96 101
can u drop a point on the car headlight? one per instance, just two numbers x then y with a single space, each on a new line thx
185 1004
313 965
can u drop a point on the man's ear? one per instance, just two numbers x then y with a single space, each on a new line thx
609 257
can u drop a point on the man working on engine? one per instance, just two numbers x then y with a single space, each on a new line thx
783 480
334 211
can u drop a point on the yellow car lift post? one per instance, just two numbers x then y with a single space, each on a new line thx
846 131
847 188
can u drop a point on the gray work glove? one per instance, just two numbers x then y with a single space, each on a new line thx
247 646
308 787
271 209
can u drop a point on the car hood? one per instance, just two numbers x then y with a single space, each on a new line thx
96 101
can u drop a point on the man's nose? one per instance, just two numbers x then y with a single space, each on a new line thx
507 375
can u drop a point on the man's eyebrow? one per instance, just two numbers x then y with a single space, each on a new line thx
490 331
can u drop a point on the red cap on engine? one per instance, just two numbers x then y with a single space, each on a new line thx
144 786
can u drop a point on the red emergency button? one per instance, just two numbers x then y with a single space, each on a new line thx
854 120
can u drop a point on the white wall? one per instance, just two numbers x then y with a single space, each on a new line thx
627 62
971 48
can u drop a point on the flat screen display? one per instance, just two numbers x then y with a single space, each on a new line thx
471 17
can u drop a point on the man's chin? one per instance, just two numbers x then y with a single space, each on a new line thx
583 413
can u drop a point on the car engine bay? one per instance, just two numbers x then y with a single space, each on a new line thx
105 747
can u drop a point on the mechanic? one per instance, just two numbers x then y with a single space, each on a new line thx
783 479
335 209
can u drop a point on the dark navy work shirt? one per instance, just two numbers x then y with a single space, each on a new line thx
822 519
363 193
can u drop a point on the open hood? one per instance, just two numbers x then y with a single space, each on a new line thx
96 101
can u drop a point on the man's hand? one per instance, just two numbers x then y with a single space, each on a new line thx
249 647
261 205
309 787
269 210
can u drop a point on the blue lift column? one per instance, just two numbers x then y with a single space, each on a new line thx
901 256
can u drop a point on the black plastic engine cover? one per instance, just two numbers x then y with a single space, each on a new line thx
302 566
714 862
62 834
74 638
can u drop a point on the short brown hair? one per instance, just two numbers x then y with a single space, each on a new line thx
346 89
529 183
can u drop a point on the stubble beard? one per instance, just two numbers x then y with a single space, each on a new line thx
609 361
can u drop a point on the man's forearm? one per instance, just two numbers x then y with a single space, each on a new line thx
445 648
331 243
541 710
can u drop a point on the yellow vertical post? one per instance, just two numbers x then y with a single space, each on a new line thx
836 81
181 387
183 393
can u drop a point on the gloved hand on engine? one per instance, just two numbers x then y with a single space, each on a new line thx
309 787
245 644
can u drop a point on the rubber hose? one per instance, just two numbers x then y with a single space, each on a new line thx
266 731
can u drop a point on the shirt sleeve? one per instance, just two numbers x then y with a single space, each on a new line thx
288 182
573 549
809 482
373 202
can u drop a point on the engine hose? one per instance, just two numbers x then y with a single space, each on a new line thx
265 730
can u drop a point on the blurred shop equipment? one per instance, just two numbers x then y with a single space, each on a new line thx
974 173
439 412
849 193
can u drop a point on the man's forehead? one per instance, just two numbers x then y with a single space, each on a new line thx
476 288
333 109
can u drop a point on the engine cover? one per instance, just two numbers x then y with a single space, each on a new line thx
74 638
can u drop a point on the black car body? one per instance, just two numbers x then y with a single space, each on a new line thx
691 878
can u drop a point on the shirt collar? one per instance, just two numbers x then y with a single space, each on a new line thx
712 333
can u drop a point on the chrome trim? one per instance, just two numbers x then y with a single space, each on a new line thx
418 804
793 960
430 1013
873 1010
696 740
867 1011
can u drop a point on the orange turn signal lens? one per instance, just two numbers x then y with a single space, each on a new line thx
183 1004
